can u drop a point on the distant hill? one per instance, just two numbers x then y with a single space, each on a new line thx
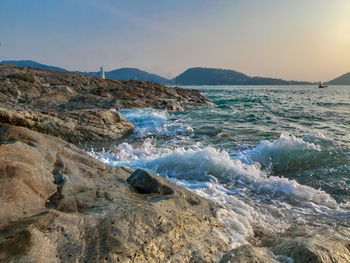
118 74
192 76
213 76
134 73
342 80
32 64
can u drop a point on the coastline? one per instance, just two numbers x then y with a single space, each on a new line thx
60 203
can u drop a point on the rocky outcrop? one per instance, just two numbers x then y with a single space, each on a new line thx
322 244
77 127
299 244
51 90
58 203
76 107
249 254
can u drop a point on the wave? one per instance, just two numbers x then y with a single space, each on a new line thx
155 122
247 194
236 181
289 154
211 165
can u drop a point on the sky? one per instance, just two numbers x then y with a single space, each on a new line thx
289 39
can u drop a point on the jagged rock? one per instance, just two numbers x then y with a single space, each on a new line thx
74 107
80 126
315 244
148 183
249 254
59 204
51 90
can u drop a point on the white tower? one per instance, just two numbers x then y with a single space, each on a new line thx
102 73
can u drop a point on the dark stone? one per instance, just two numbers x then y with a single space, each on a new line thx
147 183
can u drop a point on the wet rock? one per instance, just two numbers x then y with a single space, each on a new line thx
249 254
147 183
315 244
58 203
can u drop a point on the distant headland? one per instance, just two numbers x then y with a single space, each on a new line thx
192 76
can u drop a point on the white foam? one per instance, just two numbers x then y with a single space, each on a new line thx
155 122
286 152
242 185
201 164
208 164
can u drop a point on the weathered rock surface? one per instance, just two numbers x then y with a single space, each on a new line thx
58 203
249 254
73 126
76 107
51 90
315 244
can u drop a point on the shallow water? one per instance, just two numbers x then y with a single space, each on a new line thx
271 155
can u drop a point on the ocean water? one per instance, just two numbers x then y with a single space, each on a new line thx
272 156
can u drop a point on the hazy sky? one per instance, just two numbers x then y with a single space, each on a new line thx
290 39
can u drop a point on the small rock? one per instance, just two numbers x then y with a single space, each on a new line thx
147 183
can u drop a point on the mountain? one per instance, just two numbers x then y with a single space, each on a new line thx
118 74
214 76
342 80
192 76
32 64
134 73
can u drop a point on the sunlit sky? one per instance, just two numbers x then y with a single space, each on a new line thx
290 39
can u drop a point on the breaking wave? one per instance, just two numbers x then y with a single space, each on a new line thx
248 184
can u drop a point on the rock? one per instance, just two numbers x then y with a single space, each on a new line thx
76 107
80 126
58 203
47 90
315 244
249 254
147 183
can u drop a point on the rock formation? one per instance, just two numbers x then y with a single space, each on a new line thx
58 203
73 126
51 90
76 107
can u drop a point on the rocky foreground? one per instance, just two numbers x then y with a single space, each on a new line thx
58 204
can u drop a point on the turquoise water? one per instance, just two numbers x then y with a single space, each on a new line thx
243 117
268 154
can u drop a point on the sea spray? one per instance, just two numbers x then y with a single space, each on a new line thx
265 154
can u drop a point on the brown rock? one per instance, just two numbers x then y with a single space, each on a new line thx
249 254
315 244
59 204
80 126
50 90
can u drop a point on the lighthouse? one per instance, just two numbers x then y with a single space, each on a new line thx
102 73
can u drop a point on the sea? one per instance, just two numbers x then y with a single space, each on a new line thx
270 156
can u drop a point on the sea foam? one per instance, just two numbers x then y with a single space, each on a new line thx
241 184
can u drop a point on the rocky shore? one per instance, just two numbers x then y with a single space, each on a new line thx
58 204
76 107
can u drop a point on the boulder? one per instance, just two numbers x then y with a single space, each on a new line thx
57 203
147 183
315 244
249 254
79 126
